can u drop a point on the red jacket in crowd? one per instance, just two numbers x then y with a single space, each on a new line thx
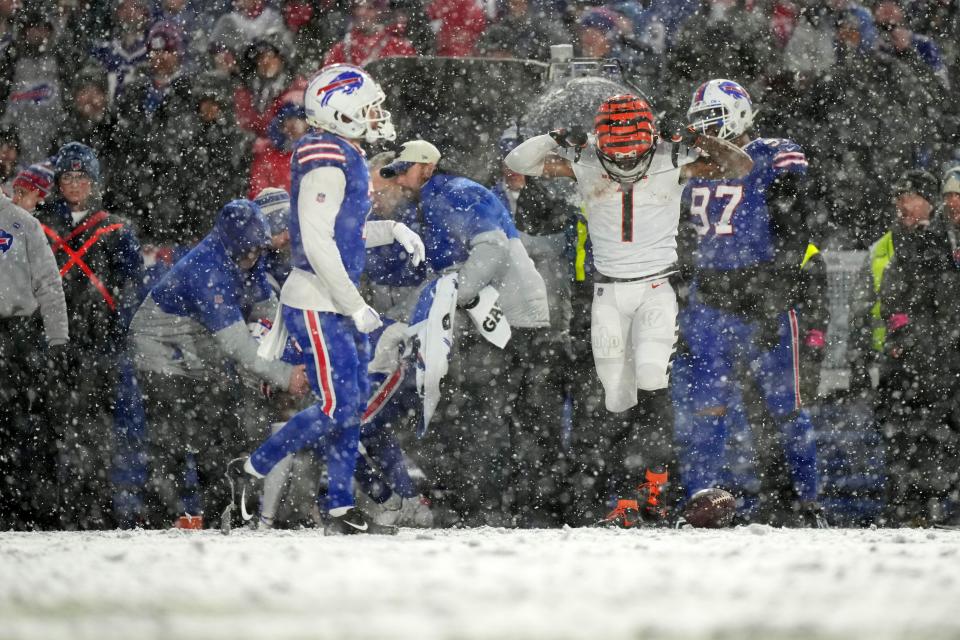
250 119
270 168
462 24
359 48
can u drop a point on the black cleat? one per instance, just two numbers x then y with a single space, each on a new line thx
356 521
813 517
244 494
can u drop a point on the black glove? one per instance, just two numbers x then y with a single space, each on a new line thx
575 137
675 131
59 359
900 335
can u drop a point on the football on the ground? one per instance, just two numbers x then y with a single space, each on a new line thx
710 509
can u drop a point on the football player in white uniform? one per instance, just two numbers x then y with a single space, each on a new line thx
630 181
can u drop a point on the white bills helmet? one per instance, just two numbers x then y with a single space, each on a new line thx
345 100
723 104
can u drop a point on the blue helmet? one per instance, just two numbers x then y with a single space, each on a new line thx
242 228
75 156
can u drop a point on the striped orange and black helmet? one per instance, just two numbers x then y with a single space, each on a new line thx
626 138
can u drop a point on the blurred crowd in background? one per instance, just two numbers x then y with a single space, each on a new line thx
187 105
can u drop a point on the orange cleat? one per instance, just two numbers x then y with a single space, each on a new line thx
651 509
188 521
626 515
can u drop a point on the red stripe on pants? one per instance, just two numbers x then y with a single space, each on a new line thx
322 363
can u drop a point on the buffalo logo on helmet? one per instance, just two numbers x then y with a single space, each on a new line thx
734 90
6 241
346 82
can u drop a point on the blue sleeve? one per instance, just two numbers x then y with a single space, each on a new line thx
214 301
476 210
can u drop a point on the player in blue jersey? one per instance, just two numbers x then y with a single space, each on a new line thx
752 238
192 320
321 307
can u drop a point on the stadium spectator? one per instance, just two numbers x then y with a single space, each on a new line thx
89 119
271 154
126 49
249 20
153 124
316 25
30 351
216 156
33 73
101 265
191 21
370 36
8 12
528 33
9 156
268 82
461 24
917 391
32 186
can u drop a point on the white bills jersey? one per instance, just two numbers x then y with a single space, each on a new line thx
633 228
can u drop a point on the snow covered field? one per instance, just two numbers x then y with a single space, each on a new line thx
753 582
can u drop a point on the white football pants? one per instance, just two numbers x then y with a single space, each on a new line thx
633 332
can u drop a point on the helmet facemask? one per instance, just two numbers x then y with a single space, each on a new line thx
626 168
721 108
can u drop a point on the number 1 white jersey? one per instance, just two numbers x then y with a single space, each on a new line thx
633 228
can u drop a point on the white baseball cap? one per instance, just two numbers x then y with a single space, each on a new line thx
415 151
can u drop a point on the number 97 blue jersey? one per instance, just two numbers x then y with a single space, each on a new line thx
731 217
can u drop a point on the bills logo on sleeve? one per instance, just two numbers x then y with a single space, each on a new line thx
6 241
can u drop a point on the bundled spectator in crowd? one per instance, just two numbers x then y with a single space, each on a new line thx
126 49
600 35
100 262
215 157
523 31
8 11
89 119
194 23
916 397
222 59
899 40
153 124
462 22
316 25
414 20
9 156
30 289
32 186
268 82
193 320
249 20
271 155
370 36
33 74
